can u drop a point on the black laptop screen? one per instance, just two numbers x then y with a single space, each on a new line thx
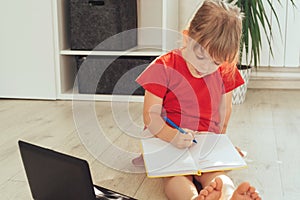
53 175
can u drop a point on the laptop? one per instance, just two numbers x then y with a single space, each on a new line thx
54 175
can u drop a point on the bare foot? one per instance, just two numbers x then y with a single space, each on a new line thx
245 192
138 161
213 191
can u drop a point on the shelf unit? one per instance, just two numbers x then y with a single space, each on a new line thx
157 33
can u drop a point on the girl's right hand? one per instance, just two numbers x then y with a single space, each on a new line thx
182 141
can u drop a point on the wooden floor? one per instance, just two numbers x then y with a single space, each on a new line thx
106 135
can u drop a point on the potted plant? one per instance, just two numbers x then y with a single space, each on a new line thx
255 22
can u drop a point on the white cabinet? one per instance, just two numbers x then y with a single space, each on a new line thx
161 15
27 64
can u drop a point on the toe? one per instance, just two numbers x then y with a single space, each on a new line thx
204 192
243 188
209 189
213 184
252 189
254 195
219 184
201 197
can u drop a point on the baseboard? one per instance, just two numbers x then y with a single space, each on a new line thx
275 78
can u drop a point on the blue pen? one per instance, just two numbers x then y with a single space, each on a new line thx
177 127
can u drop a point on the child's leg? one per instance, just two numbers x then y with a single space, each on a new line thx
180 187
243 192
228 187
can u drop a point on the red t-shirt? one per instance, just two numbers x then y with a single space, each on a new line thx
188 101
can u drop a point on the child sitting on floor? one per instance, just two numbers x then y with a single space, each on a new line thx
193 86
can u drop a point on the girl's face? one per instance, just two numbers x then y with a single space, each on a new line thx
200 59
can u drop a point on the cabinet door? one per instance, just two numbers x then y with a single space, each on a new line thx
27 61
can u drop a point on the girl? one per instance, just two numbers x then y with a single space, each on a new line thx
192 86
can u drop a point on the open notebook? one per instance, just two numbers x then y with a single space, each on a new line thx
213 152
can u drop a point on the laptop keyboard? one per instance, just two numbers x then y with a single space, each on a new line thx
106 194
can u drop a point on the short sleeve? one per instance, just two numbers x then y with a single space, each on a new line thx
154 78
231 79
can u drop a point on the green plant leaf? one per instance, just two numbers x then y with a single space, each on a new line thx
255 20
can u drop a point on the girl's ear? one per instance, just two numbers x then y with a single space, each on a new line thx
185 34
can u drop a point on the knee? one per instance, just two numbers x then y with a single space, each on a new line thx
180 187
206 178
169 182
174 180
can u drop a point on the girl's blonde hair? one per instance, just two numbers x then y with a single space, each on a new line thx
217 26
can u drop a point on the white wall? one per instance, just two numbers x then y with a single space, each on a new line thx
292 39
187 9
286 48
286 40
